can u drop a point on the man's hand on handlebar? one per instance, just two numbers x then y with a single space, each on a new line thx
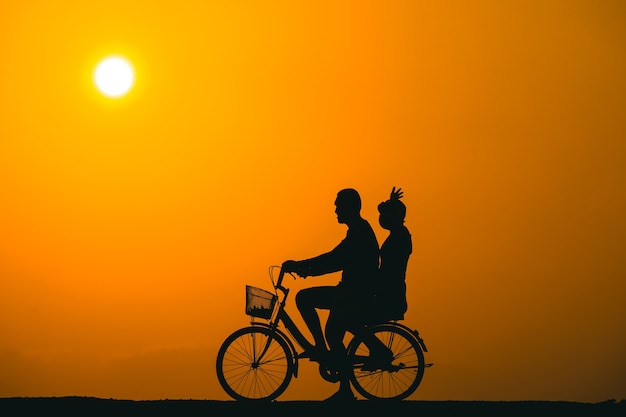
293 266
290 266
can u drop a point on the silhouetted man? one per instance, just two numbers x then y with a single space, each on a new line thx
357 257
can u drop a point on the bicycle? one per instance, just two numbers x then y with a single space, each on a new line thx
258 362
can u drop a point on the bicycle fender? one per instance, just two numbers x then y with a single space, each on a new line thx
280 333
415 333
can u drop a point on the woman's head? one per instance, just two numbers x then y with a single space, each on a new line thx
392 213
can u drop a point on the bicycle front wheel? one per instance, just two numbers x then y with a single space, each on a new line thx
254 363
392 380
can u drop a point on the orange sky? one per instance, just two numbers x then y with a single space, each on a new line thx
130 227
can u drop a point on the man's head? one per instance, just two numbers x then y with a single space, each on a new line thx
347 205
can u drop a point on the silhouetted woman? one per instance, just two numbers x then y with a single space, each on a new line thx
394 257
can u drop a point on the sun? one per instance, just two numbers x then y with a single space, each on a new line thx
114 76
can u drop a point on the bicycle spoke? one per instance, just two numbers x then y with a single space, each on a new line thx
395 380
254 363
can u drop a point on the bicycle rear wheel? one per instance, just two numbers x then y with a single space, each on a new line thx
395 380
254 363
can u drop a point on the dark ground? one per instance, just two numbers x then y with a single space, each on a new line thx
87 406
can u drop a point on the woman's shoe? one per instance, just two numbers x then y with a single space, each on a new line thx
378 360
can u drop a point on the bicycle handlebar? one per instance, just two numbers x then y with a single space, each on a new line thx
279 282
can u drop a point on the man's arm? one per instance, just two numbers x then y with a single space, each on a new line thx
323 264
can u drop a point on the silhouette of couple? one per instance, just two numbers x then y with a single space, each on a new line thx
372 287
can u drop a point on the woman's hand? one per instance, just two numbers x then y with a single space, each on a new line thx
395 194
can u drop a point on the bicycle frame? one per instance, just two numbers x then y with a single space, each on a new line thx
262 369
297 335
283 316
290 325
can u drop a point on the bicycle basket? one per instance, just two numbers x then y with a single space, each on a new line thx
259 303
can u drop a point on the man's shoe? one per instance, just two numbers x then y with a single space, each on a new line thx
314 354
341 396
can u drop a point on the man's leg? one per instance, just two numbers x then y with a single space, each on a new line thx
307 301
336 328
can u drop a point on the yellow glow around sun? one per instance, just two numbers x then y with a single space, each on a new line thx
114 76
